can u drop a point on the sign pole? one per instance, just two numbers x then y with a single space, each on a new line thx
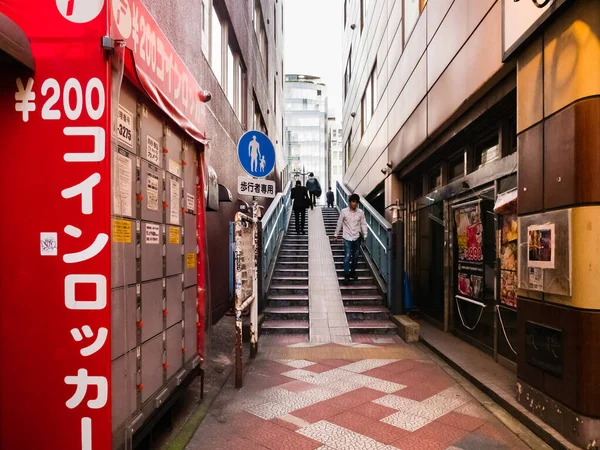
254 305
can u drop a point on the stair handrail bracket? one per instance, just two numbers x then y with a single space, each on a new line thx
379 240
246 284
274 223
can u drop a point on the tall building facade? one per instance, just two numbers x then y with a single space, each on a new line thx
480 118
306 127
241 61
336 152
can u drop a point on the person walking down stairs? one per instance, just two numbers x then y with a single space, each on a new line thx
314 189
301 203
330 198
352 222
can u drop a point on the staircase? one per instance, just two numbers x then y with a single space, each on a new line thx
287 310
363 301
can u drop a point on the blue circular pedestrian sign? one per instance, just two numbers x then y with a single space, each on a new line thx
256 154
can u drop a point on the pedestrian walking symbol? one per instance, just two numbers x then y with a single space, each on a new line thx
256 154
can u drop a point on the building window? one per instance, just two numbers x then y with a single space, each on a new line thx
456 166
412 11
345 12
486 151
230 77
216 51
362 14
275 24
348 74
275 95
348 151
435 179
242 87
261 34
204 27
369 100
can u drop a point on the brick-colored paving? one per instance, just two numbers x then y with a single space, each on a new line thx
375 393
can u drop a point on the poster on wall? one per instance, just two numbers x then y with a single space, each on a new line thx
540 246
470 281
508 261
469 232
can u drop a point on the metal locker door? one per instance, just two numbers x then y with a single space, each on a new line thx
173 187
174 353
124 178
174 300
124 389
123 245
152 367
123 320
151 136
173 243
151 192
151 251
173 152
191 245
152 309
190 176
191 320
127 119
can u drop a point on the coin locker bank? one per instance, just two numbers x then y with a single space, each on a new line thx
102 282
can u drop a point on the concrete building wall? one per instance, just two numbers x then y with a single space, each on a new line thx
425 76
181 22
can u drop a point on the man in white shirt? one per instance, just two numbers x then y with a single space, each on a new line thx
353 222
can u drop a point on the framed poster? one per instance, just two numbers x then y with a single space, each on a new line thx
469 232
540 246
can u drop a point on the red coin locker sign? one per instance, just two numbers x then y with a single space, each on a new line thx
55 348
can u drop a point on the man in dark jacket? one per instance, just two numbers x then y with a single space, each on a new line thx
301 201
330 198
314 189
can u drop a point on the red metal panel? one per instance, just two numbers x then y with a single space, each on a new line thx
54 293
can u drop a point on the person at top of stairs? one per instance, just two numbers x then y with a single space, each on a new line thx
301 202
330 198
352 221
314 189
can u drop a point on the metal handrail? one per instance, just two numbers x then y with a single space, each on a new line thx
273 225
379 241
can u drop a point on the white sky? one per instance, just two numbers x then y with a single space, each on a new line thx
313 44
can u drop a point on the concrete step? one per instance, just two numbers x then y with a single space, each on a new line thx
291 273
372 326
292 313
368 313
301 258
356 288
360 279
285 326
287 300
287 280
291 265
299 246
288 289
293 252
362 300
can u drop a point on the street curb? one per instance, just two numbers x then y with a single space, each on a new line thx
518 415
187 431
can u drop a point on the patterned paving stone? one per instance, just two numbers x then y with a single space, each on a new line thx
298 364
297 386
397 403
374 411
415 443
439 432
269 410
318 412
371 428
462 421
336 437
355 398
367 364
406 421
275 437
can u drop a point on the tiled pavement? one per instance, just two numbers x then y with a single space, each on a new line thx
374 393
327 317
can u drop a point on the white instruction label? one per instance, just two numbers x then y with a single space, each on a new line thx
122 188
152 233
152 192
174 202
153 150
190 202
174 168
125 127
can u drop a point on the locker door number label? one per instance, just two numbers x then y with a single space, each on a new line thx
125 127
152 233
121 231
190 260
152 192
173 235
153 150
190 202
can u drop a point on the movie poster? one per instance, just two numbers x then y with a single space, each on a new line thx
470 281
540 246
469 232
508 261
